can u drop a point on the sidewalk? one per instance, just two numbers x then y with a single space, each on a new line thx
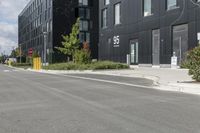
166 79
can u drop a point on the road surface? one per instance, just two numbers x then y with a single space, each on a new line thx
43 103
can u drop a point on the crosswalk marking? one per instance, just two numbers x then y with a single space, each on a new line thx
7 71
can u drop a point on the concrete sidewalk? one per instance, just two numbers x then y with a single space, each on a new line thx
165 79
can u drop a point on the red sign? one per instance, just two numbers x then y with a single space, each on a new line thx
30 51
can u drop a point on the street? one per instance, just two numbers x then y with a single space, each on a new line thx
43 103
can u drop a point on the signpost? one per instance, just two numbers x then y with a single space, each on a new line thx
30 52
174 61
198 37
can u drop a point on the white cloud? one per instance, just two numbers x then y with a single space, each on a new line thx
6 45
8 30
9 11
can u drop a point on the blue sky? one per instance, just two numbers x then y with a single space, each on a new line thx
9 10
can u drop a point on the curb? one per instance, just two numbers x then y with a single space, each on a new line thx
156 84
178 88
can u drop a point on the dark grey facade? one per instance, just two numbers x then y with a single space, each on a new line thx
148 38
56 17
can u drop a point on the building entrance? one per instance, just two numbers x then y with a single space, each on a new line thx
180 41
156 47
134 51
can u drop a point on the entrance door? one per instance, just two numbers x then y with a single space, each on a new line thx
180 41
134 51
156 47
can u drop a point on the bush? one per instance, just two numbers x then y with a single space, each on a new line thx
66 66
91 66
35 55
21 64
108 65
82 57
192 62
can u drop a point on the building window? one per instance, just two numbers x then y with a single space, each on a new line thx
106 2
87 37
171 4
117 13
147 7
84 13
83 2
84 25
104 18
81 36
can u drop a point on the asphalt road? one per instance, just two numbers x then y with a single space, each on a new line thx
42 103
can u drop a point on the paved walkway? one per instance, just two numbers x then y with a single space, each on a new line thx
166 79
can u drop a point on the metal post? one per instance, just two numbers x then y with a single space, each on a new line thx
180 46
20 47
128 60
45 48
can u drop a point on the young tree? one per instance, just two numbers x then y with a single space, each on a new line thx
15 53
1 58
71 42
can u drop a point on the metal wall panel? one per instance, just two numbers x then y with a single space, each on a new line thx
134 26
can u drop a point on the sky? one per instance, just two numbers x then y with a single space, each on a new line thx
9 11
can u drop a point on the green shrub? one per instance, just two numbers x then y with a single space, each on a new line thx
193 63
184 64
24 65
66 66
35 55
108 65
82 57
91 66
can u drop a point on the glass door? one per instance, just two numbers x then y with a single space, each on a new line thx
134 51
180 41
156 47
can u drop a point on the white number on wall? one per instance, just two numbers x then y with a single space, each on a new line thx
116 40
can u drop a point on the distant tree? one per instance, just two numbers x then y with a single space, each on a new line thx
15 53
71 42
1 58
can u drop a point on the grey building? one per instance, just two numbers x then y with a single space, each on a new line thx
56 17
149 30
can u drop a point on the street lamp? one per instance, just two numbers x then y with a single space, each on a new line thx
45 48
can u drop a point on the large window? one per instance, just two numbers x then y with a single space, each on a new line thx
171 4
106 2
104 18
84 25
147 10
117 13
84 13
83 2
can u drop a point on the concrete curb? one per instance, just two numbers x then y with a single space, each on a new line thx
182 88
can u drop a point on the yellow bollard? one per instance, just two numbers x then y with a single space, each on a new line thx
37 63
9 63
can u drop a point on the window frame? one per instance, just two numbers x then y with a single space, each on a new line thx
115 5
169 8
143 9
102 18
